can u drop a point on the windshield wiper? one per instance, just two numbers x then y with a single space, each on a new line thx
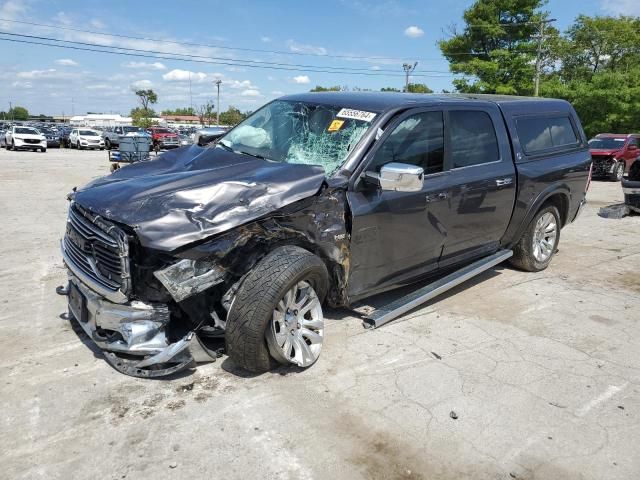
254 155
229 149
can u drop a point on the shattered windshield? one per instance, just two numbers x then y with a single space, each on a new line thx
300 132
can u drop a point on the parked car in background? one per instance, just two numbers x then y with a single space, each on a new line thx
53 140
613 154
25 138
205 136
63 136
111 135
185 140
631 187
163 138
314 198
81 138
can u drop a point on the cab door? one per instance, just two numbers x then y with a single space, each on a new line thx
395 235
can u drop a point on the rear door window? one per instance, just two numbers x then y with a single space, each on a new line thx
473 138
538 134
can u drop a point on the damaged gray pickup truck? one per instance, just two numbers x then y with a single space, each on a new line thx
315 199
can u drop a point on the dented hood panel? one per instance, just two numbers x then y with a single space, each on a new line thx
192 193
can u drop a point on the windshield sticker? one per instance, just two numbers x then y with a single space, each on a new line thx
356 114
335 125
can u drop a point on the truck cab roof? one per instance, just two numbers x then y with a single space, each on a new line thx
384 101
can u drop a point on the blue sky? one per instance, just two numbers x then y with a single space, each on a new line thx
52 80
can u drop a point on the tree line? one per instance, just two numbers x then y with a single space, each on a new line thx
594 64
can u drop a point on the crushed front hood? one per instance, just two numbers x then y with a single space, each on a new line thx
192 193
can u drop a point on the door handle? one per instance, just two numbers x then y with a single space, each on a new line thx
502 182
434 197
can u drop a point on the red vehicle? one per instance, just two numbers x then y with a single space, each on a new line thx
163 138
613 154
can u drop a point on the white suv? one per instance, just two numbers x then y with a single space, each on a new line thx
27 138
85 138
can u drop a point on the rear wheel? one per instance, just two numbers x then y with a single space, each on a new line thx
618 172
539 242
276 316
107 144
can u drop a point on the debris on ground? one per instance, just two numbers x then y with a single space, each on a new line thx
453 415
617 211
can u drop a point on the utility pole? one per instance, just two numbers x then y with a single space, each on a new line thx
218 82
408 68
190 95
11 110
541 38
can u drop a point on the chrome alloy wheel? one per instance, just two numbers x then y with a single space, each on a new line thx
544 237
297 326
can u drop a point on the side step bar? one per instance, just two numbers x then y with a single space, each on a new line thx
401 306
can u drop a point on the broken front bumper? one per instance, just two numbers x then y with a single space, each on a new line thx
132 335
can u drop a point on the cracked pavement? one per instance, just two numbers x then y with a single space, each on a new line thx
541 369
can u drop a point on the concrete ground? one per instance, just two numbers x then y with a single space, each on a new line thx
542 371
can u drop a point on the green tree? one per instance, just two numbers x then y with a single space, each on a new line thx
335 88
418 88
142 118
496 50
180 111
18 113
232 116
390 89
206 113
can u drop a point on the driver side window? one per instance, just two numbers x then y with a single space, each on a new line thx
417 140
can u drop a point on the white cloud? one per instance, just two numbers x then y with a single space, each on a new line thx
265 39
36 73
63 18
142 84
67 62
302 48
100 86
375 67
414 32
277 93
22 85
12 10
95 23
145 65
251 92
301 79
621 7
178 75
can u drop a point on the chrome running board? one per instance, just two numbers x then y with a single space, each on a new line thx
401 306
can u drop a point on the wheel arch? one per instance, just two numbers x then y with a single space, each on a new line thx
558 195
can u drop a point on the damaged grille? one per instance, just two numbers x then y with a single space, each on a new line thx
97 250
601 164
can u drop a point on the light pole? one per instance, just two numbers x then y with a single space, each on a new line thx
218 82
408 68
543 23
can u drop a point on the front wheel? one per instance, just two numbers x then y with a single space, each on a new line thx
618 172
276 316
13 145
107 144
539 242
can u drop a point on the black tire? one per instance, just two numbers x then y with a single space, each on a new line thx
107 144
618 172
523 257
78 146
256 300
13 145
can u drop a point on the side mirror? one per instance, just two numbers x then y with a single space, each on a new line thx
401 177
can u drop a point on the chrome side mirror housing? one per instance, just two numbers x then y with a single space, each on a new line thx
401 177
